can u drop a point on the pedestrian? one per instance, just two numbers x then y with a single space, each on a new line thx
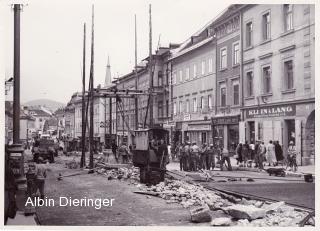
41 174
251 154
210 155
261 154
278 152
187 156
11 187
271 156
163 153
256 154
245 153
292 157
194 157
182 156
239 154
202 154
217 154
114 148
123 152
225 157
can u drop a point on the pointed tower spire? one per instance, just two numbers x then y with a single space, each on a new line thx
107 81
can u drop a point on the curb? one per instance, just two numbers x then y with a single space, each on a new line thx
288 173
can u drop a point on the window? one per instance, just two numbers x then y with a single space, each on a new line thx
236 94
195 70
266 79
210 65
266 26
160 109
203 67
167 108
202 102
174 78
174 108
236 53
223 96
160 77
180 76
250 83
288 16
210 102
180 107
187 106
187 73
223 58
288 74
194 104
249 34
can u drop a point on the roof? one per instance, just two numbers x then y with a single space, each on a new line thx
39 113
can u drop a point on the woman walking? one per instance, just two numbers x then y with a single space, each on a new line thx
271 156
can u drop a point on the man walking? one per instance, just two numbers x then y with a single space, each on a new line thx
210 161
261 155
225 157
292 157
41 174
278 151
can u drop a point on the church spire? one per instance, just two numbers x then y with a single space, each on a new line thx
107 81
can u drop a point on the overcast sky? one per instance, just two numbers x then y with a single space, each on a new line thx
52 37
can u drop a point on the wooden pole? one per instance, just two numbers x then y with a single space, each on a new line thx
83 135
136 72
150 69
91 93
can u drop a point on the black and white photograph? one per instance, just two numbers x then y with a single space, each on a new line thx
186 113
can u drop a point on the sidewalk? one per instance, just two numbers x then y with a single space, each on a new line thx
302 170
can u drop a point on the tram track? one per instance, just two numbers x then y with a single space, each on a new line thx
205 183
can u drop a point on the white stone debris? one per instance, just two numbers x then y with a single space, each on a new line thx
221 221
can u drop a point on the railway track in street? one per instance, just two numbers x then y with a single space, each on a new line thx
207 183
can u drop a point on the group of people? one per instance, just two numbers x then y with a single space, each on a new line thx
195 158
271 154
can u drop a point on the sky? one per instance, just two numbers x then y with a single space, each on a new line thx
52 39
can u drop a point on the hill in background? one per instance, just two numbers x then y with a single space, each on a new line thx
50 104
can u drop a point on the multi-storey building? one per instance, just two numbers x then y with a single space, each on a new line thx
225 123
278 76
125 111
41 115
193 76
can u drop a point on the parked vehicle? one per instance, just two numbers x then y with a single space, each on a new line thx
45 150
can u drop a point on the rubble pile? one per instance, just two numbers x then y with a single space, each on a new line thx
124 173
188 195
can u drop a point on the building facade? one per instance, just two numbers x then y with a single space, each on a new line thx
278 76
193 79
225 123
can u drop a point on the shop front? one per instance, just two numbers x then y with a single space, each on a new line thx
198 132
225 132
283 123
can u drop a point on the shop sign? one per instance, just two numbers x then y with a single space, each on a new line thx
122 133
226 120
186 117
271 111
168 125
199 127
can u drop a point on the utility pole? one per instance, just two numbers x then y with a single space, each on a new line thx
136 72
105 121
16 74
110 117
91 92
150 69
83 135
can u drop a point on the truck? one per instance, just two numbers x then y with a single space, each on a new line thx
45 149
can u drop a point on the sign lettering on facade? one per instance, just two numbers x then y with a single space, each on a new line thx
199 127
186 117
226 120
271 111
